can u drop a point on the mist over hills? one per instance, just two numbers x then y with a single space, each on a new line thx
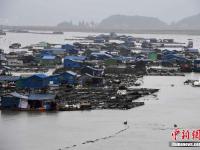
192 22
124 22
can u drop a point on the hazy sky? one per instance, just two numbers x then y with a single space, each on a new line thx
51 12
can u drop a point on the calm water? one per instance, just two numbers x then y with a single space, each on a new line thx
150 126
27 39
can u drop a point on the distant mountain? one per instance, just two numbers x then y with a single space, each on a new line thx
131 23
192 22
66 25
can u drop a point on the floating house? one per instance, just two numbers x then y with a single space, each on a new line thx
68 77
37 81
196 67
192 50
99 40
92 71
50 60
70 49
174 58
54 51
100 56
13 60
90 80
28 102
112 61
74 62
10 101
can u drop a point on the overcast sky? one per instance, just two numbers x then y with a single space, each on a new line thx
51 12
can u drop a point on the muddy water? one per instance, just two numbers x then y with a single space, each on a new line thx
149 127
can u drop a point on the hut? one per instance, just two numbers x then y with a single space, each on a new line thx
100 56
68 77
50 60
11 101
37 81
54 51
28 102
70 49
92 71
74 62
196 67
90 80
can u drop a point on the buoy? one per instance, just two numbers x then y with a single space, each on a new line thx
175 126
125 122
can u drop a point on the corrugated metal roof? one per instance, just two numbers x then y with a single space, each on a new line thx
9 78
72 73
55 49
32 97
15 94
41 97
96 54
49 57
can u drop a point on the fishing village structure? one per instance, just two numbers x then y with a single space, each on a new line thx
97 72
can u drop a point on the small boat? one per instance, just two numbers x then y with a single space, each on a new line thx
125 122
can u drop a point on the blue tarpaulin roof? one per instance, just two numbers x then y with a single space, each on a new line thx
39 97
40 75
76 58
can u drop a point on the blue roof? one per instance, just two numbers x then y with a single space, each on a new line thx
192 50
76 58
49 57
68 45
40 75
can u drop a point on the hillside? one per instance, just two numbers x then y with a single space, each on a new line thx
131 22
192 22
